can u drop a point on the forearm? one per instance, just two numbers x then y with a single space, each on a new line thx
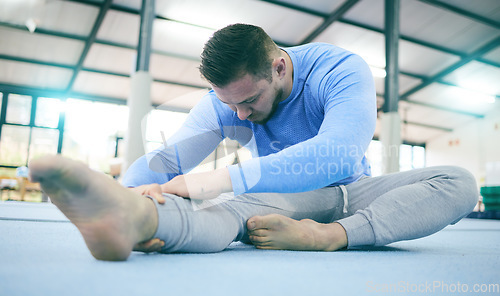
200 185
309 165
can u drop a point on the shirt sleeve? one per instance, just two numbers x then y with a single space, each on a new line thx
335 153
190 145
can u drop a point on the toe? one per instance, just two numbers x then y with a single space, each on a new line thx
259 232
254 223
273 221
258 239
265 247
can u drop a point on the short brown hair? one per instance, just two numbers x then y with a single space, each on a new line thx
237 50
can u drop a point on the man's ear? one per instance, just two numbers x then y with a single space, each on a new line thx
279 65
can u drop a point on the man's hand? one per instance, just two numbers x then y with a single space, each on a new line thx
197 186
153 190
201 185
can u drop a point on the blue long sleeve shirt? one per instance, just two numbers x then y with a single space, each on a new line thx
317 137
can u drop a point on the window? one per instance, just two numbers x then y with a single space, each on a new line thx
19 109
92 130
410 157
418 157
14 145
20 140
374 155
405 157
43 141
47 112
161 123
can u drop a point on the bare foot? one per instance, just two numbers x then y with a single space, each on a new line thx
282 233
111 218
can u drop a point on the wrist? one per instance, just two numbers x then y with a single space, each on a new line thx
223 178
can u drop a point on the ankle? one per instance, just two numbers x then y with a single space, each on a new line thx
147 219
334 237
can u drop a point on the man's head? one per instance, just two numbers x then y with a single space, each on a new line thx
246 69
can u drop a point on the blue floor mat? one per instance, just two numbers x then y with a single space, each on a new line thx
41 253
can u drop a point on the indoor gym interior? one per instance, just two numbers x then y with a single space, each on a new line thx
66 71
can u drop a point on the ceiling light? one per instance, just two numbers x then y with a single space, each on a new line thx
378 72
31 25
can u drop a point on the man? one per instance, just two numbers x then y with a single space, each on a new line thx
307 114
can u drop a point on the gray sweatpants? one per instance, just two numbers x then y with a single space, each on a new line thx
374 211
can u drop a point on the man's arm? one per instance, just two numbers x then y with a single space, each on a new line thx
193 142
335 154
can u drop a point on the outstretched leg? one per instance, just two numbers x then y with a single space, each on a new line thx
111 218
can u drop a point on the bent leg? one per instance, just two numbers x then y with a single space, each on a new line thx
381 210
407 205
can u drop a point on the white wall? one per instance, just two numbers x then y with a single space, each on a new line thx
470 146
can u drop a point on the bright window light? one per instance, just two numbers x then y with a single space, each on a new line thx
378 72
471 96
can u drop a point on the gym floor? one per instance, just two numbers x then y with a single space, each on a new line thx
42 253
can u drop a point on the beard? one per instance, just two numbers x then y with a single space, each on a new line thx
277 99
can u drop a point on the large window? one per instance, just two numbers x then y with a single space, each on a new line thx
28 129
14 145
19 109
162 124
410 157
43 141
92 131
47 112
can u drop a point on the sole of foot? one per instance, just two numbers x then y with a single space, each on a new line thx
109 217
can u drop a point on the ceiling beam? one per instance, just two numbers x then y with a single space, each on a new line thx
44 31
446 109
37 62
445 129
381 31
84 38
62 94
481 51
131 10
122 45
420 42
297 8
90 40
404 37
58 93
405 142
283 4
475 17
93 70
437 107
440 81
421 124
333 17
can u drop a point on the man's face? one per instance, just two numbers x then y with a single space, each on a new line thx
251 99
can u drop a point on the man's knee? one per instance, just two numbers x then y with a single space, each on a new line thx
463 187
